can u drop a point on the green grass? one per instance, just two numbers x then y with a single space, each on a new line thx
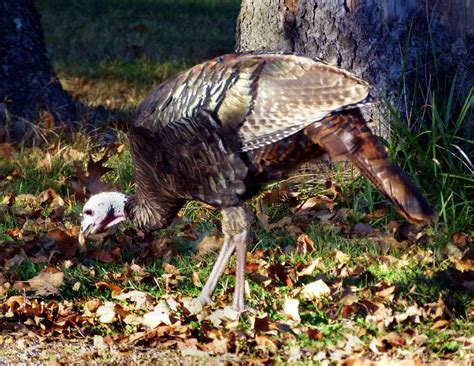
439 158
113 52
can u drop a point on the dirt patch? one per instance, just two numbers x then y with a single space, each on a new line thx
32 349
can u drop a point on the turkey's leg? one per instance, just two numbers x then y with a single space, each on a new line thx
236 228
240 241
236 223
224 256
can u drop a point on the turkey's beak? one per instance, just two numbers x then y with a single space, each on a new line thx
88 227
86 230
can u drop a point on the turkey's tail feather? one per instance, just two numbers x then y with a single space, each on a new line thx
345 136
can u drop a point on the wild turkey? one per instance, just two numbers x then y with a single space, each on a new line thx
219 131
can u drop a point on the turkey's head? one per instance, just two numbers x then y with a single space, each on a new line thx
101 212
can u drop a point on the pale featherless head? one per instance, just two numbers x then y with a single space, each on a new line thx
101 212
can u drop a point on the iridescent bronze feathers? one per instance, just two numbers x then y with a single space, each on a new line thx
220 130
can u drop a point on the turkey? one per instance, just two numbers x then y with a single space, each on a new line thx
219 131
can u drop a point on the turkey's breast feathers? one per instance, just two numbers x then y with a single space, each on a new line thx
191 158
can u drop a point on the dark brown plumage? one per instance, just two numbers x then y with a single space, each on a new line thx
220 130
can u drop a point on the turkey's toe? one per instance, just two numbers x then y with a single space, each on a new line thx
199 303
245 309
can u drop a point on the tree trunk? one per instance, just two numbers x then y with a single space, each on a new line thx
388 43
28 84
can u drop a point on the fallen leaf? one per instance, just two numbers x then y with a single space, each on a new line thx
98 342
194 306
291 309
340 257
65 243
159 315
453 251
262 324
353 344
172 304
170 269
316 204
90 180
315 290
349 299
95 171
281 272
386 292
142 300
260 279
196 281
9 198
460 239
100 255
57 214
395 339
411 311
91 306
440 324
114 289
133 319
209 244
304 244
285 221
407 231
309 269
45 164
277 195
51 198
164 247
46 282
377 214
106 312
466 262
219 315
314 334
266 343
324 215
47 120
27 200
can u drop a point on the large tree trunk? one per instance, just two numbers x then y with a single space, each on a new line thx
385 42
28 84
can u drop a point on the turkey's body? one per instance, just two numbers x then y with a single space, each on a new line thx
220 130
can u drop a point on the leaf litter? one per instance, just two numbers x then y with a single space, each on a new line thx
297 294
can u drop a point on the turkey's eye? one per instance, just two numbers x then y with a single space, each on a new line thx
88 212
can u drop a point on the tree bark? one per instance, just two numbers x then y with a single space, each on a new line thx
388 46
28 84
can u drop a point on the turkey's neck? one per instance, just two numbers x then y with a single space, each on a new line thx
149 215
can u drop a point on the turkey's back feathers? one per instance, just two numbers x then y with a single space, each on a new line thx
262 97
293 93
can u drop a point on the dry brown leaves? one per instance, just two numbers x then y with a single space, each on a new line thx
169 320
89 182
298 290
